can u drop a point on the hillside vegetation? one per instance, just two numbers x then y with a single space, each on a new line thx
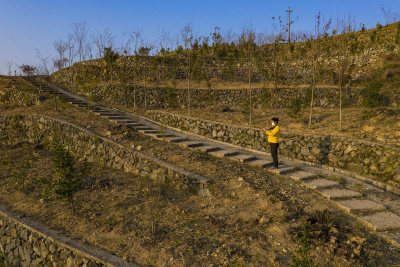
351 55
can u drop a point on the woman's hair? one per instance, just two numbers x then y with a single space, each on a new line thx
276 120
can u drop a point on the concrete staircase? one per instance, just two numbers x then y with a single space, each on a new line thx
372 214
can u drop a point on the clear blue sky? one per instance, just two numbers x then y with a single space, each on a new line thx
26 25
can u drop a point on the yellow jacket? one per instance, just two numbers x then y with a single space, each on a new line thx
273 135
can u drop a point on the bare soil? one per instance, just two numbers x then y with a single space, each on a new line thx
250 220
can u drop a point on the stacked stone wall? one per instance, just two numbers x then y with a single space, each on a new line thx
379 161
89 146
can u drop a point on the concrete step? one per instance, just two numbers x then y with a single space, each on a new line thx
134 124
382 221
224 153
151 131
117 118
302 175
354 206
207 148
176 139
340 193
243 158
127 121
190 143
162 136
106 114
260 163
283 169
142 129
321 183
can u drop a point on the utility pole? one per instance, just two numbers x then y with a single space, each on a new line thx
289 11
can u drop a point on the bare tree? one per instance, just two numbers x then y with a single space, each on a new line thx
43 67
102 40
165 41
187 39
61 47
347 47
70 49
390 17
9 67
135 38
248 49
88 51
229 36
80 34
276 59
320 30
187 35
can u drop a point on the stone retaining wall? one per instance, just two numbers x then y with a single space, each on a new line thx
377 161
28 243
17 97
87 145
325 97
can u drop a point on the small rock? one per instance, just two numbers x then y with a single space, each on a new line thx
263 220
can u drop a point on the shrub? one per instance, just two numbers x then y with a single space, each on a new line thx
295 107
373 37
371 96
397 38
245 108
302 257
171 97
265 97
69 177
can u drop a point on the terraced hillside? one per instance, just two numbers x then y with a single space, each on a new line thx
244 214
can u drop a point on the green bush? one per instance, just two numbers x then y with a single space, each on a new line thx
245 108
371 96
302 257
69 176
171 97
373 37
397 38
295 107
265 97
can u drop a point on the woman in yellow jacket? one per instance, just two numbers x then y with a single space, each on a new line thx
273 140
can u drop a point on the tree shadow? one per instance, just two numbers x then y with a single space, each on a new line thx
325 147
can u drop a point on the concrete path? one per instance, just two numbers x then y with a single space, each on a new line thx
371 213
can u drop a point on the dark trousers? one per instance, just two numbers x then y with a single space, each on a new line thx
274 153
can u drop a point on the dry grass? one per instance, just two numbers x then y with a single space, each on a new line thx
249 222
377 125
252 218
